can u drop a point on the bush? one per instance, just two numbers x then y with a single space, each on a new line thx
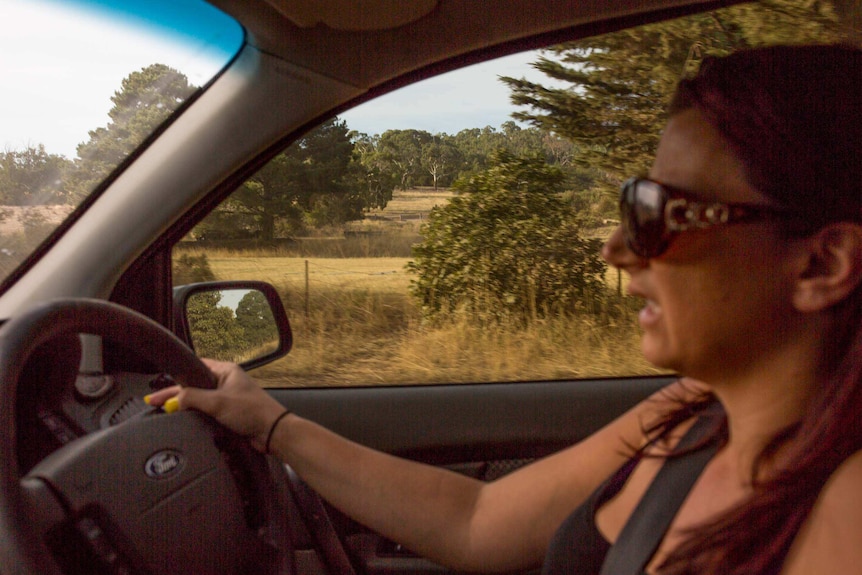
509 246
189 269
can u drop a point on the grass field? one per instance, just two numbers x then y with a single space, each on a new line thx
379 274
416 200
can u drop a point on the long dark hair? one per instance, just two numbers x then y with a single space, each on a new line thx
793 116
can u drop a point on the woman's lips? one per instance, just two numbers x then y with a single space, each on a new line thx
649 314
651 311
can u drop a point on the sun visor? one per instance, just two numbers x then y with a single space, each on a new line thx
354 15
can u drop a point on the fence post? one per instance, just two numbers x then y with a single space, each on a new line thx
306 290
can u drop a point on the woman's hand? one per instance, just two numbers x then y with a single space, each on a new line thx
238 403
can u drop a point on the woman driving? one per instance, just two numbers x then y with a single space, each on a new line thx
745 243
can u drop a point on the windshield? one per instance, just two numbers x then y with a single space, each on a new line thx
84 84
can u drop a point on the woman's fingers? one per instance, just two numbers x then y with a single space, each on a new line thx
158 398
206 400
221 369
239 403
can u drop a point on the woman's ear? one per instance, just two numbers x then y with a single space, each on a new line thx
832 268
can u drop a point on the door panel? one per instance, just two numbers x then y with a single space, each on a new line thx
483 430
446 424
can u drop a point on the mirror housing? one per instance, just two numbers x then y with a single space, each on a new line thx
240 321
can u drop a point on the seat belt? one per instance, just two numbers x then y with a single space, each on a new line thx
642 533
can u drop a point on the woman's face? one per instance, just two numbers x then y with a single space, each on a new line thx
719 299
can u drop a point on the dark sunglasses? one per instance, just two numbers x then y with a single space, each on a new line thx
652 213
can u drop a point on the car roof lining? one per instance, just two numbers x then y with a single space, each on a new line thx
452 29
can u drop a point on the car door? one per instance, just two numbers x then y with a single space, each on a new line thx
482 430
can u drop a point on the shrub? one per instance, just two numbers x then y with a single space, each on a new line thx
188 269
507 245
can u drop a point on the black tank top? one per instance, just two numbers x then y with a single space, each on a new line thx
578 547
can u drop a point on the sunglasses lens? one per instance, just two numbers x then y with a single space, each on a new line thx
642 205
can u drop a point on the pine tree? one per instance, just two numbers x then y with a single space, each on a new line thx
617 86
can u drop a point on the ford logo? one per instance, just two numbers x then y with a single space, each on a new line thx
164 464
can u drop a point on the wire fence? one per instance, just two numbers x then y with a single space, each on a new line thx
315 276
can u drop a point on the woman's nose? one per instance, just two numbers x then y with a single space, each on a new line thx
616 252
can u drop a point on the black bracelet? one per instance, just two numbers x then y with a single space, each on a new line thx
272 429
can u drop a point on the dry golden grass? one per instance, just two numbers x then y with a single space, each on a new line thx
459 352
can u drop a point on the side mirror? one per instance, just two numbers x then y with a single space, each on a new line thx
239 321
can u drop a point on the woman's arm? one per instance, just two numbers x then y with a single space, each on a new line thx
449 518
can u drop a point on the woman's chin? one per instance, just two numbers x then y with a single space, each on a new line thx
657 354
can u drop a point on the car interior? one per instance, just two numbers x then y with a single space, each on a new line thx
95 317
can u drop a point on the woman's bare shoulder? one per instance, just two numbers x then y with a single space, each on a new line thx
842 494
829 539
846 477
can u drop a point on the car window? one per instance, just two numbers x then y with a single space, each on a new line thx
449 232
84 83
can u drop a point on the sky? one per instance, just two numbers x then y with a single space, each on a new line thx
471 97
49 98
60 114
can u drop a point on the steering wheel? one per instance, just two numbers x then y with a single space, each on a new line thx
158 493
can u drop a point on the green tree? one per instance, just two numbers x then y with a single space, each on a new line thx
32 177
408 158
271 196
214 329
617 86
254 316
507 246
476 146
402 152
440 158
333 186
316 181
524 141
146 98
380 179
